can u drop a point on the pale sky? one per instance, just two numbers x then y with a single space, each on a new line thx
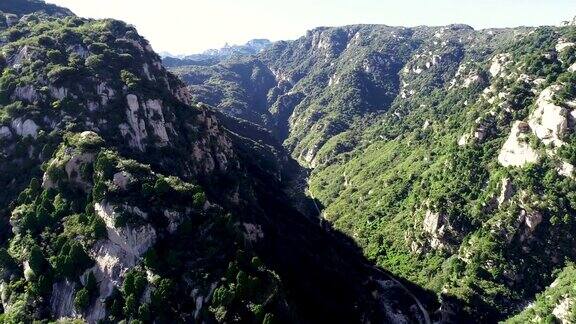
191 26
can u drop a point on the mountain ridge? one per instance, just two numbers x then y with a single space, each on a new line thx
438 149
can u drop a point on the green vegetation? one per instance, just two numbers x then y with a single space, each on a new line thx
379 118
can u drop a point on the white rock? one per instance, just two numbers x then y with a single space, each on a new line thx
549 122
137 126
562 310
532 219
506 191
58 93
516 151
27 93
11 20
432 222
24 54
135 44
464 140
25 128
5 132
122 179
28 272
92 106
146 70
73 171
174 220
155 118
62 299
470 80
105 92
135 241
563 45
253 232
426 125
78 49
116 255
566 169
498 63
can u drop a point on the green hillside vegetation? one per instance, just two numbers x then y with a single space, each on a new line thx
403 128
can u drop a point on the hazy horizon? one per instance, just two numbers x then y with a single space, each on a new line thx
185 27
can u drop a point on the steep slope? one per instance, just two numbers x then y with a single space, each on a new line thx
555 304
336 79
446 153
124 201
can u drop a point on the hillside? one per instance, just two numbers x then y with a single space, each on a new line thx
124 201
445 152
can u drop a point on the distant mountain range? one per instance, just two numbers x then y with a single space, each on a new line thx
213 56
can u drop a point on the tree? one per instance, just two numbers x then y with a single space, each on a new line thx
82 299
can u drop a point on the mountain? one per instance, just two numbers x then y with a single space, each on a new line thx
125 201
16 8
446 153
213 56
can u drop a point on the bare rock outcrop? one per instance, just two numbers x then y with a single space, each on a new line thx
549 122
516 150
116 255
27 93
25 128
5 132
562 311
435 225
498 64
506 191
155 117
137 126
62 299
